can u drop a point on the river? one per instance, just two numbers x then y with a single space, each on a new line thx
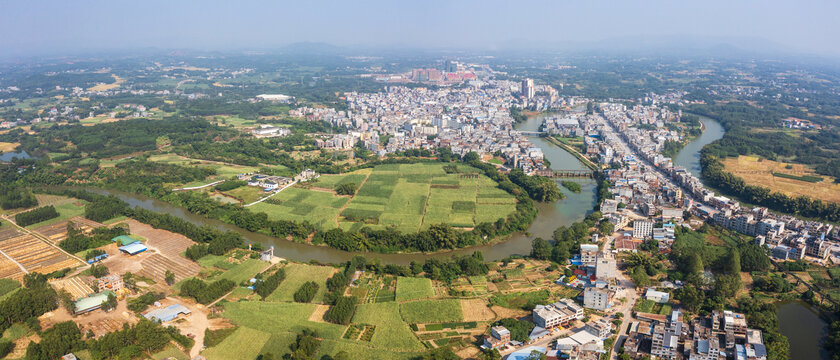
804 329
551 215
797 321
689 156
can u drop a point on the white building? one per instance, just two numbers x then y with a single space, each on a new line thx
561 312
642 229
597 298
657 296
605 268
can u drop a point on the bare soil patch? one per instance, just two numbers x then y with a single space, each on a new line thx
476 310
318 313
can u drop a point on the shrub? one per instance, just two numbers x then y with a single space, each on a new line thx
306 292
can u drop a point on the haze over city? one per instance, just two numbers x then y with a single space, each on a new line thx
57 27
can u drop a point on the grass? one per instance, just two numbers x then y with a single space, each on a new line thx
244 343
277 318
170 352
279 344
243 271
806 178
644 305
7 286
391 331
411 288
432 311
15 331
296 275
65 211
520 300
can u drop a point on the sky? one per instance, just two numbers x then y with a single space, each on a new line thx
74 27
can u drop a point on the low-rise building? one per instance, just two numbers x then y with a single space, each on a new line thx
559 313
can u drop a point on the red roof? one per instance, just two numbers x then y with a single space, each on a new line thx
580 272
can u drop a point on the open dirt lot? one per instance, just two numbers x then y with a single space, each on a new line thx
98 321
756 172
164 253
476 310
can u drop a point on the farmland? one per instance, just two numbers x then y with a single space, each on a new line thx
391 331
296 275
795 181
407 197
431 311
409 288
244 343
31 253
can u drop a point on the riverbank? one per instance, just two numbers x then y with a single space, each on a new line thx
591 165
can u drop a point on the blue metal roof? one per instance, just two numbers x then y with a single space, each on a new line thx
134 248
167 313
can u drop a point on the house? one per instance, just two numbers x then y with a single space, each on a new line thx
588 254
559 313
605 268
597 298
601 328
499 336
657 296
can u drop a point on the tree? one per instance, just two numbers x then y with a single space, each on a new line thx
733 263
540 249
169 277
110 303
306 292
691 297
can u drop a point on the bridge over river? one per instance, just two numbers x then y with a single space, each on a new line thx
566 173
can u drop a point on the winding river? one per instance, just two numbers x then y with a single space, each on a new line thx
689 156
551 215
797 321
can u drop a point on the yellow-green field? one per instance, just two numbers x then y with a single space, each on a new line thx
756 171
407 197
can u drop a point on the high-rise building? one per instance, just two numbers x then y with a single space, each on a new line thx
528 88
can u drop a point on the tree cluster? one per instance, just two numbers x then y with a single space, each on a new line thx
206 293
35 216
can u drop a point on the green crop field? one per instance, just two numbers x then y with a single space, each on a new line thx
244 343
279 344
361 350
391 331
410 288
296 275
277 318
296 204
243 271
431 311
329 181
407 197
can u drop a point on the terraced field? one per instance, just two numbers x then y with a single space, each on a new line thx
58 231
32 253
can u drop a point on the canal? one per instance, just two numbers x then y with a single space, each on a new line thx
551 215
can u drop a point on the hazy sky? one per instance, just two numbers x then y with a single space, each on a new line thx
51 26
